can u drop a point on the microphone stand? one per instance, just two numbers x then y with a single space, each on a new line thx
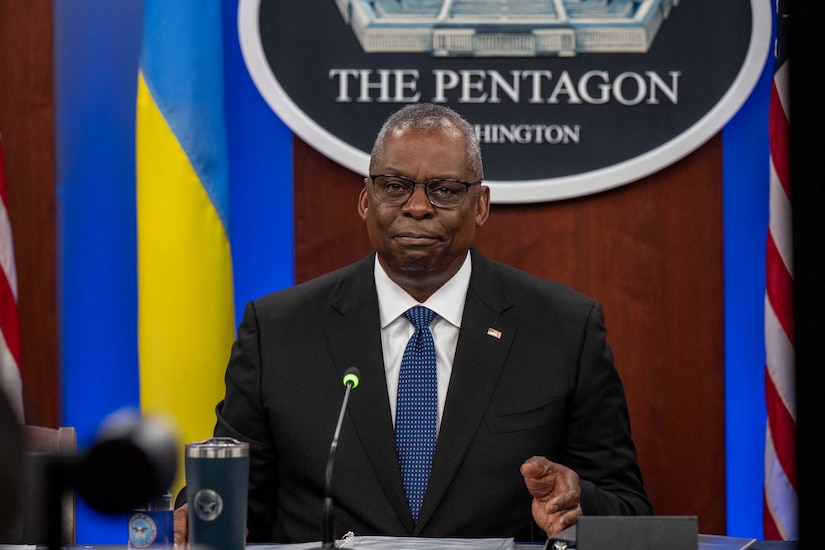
351 379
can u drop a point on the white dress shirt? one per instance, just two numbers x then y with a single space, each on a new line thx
448 304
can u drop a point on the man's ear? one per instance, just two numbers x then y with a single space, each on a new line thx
363 202
482 205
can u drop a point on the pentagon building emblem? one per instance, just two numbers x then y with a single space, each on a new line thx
567 97
505 27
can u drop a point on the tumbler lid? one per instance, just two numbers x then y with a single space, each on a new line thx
218 447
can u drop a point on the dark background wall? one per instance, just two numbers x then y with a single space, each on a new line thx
807 80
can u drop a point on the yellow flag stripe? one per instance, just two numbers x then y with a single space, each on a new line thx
185 295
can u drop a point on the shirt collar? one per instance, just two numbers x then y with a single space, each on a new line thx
447 301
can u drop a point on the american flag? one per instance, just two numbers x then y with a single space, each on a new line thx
780 497
10 380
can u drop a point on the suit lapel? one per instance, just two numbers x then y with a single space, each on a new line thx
355 341
484 340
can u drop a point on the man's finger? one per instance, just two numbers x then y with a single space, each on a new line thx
181 526
539 477
536 467
553 522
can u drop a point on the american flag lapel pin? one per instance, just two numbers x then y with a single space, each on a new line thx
494 333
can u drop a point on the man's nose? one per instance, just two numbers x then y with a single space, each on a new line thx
419 200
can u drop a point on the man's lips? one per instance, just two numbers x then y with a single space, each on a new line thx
416 239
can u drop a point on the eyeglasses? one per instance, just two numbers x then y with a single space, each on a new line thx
442 193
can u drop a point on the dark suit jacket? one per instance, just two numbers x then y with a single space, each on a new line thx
546 387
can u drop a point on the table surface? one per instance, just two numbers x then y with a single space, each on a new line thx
758 545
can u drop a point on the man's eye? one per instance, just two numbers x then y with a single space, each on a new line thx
395 187
444 191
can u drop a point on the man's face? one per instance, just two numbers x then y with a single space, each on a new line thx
421 246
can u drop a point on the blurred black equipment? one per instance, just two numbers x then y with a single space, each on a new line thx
132 462
11 469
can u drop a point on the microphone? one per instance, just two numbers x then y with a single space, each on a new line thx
133 461
351 379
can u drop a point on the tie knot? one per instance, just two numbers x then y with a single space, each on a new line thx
419 316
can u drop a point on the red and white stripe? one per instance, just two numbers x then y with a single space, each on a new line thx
10 380
781 503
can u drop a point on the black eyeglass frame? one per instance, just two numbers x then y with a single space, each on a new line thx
426 184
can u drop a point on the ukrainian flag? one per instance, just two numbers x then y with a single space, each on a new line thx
185 297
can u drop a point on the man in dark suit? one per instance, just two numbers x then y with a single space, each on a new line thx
532 423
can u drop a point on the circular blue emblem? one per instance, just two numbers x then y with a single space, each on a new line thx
142 531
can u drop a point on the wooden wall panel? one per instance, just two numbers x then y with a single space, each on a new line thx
650 251
27 126
328 231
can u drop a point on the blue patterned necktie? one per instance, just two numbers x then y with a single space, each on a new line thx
417 408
